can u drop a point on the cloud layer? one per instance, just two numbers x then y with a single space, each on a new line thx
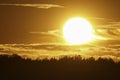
44 6
41 51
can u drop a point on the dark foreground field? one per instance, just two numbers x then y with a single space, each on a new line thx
17 68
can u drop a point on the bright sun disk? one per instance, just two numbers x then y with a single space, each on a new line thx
78 31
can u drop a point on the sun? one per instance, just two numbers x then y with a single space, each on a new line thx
78 31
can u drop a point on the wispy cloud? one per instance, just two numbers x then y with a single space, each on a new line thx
44 6
110 31
56 50
57 33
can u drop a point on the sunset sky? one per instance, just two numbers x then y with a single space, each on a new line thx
34 27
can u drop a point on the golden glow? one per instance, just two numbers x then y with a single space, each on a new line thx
78 31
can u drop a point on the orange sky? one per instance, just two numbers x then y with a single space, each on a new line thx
35 26
30 23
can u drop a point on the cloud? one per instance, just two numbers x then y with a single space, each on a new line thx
57 50
110 31
43 6
110 25
57 33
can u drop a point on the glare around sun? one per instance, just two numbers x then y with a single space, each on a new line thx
78 31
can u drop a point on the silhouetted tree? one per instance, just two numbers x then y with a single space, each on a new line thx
66 68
